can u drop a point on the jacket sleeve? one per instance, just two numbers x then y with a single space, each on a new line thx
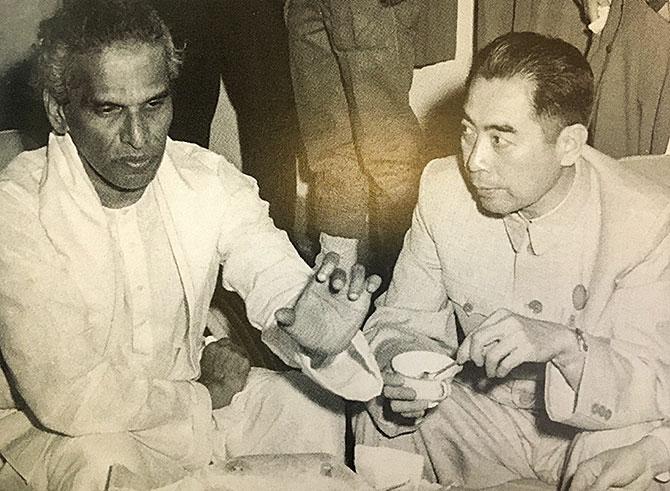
416 305
261 265
626 374
414 314
57 358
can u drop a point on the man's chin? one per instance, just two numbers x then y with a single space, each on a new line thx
134 185
494 207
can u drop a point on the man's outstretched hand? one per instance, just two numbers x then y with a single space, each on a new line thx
331 308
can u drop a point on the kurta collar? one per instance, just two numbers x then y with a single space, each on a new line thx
75 221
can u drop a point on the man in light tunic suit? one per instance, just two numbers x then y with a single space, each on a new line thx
112 238
543 267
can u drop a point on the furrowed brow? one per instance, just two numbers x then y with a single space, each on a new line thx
503 128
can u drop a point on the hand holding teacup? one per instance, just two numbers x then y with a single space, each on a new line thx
418 381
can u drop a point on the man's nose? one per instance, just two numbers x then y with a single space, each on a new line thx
476 160
134 132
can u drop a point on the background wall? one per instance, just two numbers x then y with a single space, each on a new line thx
19 20
434 94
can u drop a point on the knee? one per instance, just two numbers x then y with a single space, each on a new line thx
83 463
393 183
298 393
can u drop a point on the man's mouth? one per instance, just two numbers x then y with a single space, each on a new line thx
485 188
137 162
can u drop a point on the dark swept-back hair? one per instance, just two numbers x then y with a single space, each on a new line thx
86 26
563 79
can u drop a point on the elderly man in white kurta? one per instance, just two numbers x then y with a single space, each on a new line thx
552 261
112 238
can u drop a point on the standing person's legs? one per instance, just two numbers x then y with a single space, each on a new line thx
376 57
253 53
473 441
195 92
338 189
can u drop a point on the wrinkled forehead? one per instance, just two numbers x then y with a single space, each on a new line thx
122 68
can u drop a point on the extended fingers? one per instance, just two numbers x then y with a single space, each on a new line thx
357 282
328 265
373 283
338 279
328 271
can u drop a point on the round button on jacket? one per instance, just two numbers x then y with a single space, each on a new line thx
535 306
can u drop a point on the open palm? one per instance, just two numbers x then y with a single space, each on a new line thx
331 308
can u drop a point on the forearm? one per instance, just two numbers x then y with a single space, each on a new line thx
111 399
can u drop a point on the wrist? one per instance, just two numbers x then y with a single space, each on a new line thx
572 345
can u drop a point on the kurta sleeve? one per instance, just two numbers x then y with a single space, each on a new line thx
55 347
261 265
626 374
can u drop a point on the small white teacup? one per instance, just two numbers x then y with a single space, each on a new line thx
428 373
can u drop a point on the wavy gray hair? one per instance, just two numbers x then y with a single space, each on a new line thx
86 26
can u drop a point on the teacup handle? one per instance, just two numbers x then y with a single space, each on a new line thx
446 390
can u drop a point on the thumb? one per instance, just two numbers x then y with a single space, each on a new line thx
463 353
285 316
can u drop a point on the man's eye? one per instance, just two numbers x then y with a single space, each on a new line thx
499 142
107 109
156 103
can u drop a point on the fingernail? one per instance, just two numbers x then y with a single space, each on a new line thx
353 296
321 277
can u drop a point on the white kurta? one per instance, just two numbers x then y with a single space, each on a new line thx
90 347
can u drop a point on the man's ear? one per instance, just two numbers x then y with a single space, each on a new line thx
55 113
570 142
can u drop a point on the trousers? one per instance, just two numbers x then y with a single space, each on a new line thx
351 64
474 441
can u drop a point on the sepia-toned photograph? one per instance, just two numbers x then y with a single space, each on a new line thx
333 245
